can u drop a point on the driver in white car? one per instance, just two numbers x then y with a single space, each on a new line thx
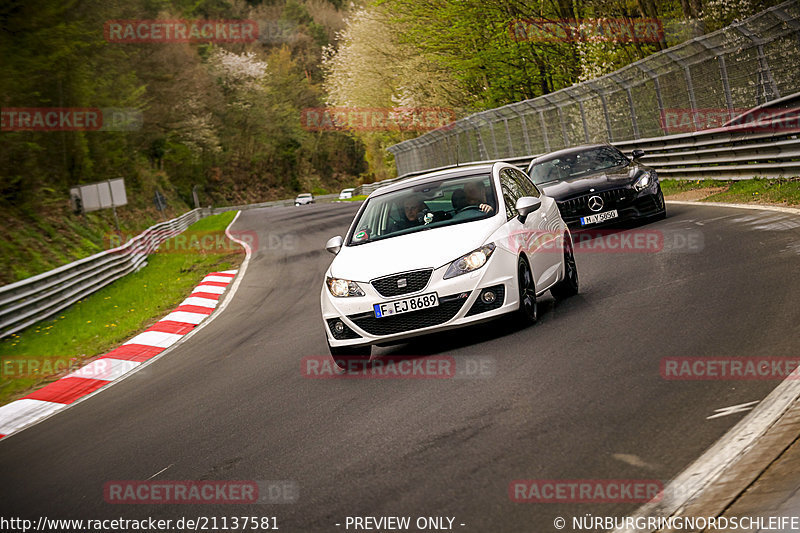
476 195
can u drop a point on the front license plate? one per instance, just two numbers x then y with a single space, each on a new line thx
406 305
599 217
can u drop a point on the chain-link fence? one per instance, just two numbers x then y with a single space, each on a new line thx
736 68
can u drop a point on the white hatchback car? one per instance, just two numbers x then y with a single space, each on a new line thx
304 198
440 251
346 194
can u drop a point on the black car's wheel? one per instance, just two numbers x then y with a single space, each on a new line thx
663 214
528 307
350 357
569 285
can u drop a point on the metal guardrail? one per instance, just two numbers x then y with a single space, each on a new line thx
39 297
722 154
274 203
369 188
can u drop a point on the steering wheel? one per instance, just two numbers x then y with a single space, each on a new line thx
469 207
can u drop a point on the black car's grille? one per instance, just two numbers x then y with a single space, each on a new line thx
416 280
346 333
446 310
580 205
480 307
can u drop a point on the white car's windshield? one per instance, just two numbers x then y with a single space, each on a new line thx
577 164
424 207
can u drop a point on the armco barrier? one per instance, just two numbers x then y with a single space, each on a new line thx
274 203
39 297
732 153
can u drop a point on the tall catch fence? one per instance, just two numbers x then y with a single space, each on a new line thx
675 91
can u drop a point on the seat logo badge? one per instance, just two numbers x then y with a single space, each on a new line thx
595 203
402 283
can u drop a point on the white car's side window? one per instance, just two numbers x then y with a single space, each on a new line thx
525 183
511 191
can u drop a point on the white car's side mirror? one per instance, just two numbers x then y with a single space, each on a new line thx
334 244
527 205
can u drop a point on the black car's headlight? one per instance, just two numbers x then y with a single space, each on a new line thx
469 262
342 288
645 181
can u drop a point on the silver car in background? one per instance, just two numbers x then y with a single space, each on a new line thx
304 198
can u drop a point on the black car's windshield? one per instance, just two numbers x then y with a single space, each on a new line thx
424 207
577 164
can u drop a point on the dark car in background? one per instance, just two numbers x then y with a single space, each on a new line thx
597 184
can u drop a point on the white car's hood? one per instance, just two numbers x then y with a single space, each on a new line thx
423 249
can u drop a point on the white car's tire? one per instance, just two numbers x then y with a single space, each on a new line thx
528 311
569 285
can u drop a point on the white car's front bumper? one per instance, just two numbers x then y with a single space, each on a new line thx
454 309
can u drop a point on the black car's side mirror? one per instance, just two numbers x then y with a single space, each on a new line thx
637 154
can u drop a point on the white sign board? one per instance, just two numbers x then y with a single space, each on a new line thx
102 195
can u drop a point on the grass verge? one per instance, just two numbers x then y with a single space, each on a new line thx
112 315
776 191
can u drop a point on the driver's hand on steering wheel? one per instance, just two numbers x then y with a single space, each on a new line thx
486 208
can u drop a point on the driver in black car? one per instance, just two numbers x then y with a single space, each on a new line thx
476 195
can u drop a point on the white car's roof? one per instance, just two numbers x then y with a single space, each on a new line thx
453 172
304 194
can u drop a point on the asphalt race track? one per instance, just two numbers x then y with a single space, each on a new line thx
579 395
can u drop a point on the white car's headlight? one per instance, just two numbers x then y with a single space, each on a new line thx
644 182
342 288
469 262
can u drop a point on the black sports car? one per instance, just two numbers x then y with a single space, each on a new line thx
597 184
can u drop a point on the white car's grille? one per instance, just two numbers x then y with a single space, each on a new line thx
403 283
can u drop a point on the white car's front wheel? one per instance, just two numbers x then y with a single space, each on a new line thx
528 307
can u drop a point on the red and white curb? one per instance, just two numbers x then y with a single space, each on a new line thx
120 361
